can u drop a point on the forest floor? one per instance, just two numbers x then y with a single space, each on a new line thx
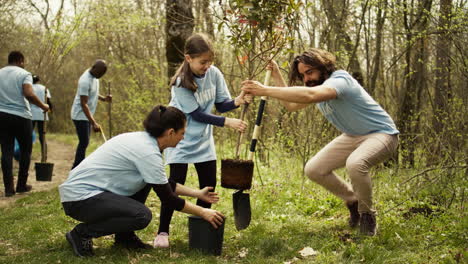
62 157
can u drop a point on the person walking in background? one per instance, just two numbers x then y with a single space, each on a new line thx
369 135
197 86
37 113
108 190
16 92
84 107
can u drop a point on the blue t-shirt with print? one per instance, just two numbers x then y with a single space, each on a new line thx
198 143
123 165
354 111
12 100
88 85
39 91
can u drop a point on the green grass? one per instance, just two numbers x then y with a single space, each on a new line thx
289 214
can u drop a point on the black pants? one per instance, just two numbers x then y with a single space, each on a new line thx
108 213
40 130
15 126
83 130
206 177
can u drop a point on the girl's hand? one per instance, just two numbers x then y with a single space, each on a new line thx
214 217
207 196
235 123
243 99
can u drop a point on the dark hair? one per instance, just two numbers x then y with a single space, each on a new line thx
320 59
35 79
195 46
162 118
15 57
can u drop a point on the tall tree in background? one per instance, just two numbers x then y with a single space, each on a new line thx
442 93
179 26
415 22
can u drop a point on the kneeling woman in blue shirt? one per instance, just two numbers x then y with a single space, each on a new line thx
107 191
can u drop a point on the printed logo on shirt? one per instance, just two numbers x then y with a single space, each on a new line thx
205 96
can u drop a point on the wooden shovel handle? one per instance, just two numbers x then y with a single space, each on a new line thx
241 134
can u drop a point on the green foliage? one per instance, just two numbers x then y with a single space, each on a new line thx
287 217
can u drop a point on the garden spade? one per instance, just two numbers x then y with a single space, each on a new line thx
44 169
237 174
242 211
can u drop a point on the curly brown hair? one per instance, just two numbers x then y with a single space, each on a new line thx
320 59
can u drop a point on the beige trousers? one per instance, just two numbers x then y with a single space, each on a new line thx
358 154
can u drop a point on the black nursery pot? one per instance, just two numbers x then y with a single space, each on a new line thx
204 237
44 171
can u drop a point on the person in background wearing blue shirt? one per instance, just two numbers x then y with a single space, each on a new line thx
369 135
84 107
16 92
37 113
108 190
197 86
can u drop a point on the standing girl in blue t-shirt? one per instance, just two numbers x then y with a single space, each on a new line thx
197 86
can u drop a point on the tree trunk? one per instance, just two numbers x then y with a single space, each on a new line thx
179 26
337 19
381 15
415 79
442 92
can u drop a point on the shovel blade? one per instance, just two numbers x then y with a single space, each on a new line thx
242 210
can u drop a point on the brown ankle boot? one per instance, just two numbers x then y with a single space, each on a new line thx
368 224
353 214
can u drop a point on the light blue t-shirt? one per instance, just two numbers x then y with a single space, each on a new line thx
123 165
198 143
12 100
354 111
37 113
88 85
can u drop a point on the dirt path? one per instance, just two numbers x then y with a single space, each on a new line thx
61 155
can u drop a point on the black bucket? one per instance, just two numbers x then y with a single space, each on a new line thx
203 236
44 171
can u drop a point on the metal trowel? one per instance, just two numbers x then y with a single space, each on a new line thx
242 211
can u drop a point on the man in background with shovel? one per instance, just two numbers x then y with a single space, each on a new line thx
369 133
84 107
16 92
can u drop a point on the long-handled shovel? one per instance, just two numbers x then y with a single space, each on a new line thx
242 172
109 110
44 169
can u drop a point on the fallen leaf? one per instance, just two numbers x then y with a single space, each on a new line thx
243 252
308 251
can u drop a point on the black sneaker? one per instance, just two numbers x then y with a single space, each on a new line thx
353 214
368 224
23 189
130 242
9 193
83 247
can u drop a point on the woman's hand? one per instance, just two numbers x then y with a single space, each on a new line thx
235 123
207 196
243 98
214 217
253 87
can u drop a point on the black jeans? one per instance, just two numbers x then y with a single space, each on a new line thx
40 130
109 213
15 126
206 177
83 130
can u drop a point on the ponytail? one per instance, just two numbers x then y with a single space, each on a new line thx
162 118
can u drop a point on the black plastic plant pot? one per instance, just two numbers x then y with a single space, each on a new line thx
44 171
204 237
